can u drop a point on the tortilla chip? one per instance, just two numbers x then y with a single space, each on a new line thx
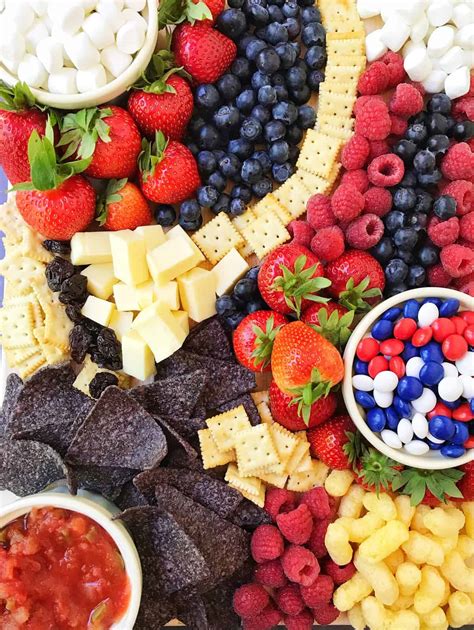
105 480
248 404
13 387
209 339
250 516
175 439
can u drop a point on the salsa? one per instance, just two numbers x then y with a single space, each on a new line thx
60 570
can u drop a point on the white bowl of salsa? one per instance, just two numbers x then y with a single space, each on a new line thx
64 561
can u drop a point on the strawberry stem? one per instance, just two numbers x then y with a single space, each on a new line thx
441 483
354 297
81 130
334 328
264 342
177 11
308 394
152 154
17 98
110 195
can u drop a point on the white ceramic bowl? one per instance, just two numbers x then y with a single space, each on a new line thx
102 512
112 90
433 460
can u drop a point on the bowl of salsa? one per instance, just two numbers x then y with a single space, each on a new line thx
65 563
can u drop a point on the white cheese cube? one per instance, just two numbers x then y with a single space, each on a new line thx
145 294
197 290
183 319
129 257
120 322
88 248
168 294
126 298
153 235
137 357
98 310
100 279
178 232
169 260
160 330
228 270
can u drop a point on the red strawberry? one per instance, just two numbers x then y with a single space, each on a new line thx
286 413
202 51
430 487
466 485
376 472
109 135
332 320
123 207
18 119
290 278
168 171
357 279
253 339
329 440
215 7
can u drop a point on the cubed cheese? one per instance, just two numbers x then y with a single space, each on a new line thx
120 323
170 260
98 310
129 257
178 232
100 279
228 270
183 319
126 298
88 248
197 289
137 357
168 294
160 330
145 294
153 235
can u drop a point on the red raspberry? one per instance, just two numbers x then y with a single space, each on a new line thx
320 592
457 260
467 244
377 148
438 277
267 543
374 80
365 231
386 170
318 212
361 102
347 202
279 501
443 233
373 120
355 153
471 87
394 62
317 501
458 163
301 231
339 574
465 284
250 600
399 125
419 87
265 620
325 614
289 600
378 201
334 505
358 179
467 227
406 101
303 621
316 541
463 192
300 565
328 243
296 525
463 108
270 574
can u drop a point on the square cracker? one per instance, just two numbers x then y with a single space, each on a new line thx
265 234
251 485
314 183
259 397
303 481
57 324
264 413
274 479
336 126
336 58
354 46
211 455
31 246
217 238
285 442
255 450
16 356
21 272
16 326
271 203
11 222
294 195
257 499
245 250
30 365
225 427
336 105
244 219
301 449
319 153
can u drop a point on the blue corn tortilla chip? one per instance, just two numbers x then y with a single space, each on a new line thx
192 613
118 432
209 339
250 516
105 480
13 387
175 439
247 401
130 497
187 427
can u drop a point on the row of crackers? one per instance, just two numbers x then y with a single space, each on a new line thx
262 227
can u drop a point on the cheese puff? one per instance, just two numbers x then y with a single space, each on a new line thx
444 522
418 520
447 593
380 578
351 503
351 592
459 575
384 541
406 619
468 510
356 618
420 549
408 577
375 614
435 619
461 610
403 602
362 528
394 560
447 543
337 543
465 546
338 482
430 592
382 505
405 510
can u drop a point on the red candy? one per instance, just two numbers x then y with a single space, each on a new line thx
392 347
469 443
440 409
463 413
460 324
454 347
442 328
405 328
397 366
367 349
468 316
422 336
469 335
376 365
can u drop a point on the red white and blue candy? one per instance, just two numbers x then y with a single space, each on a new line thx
414 376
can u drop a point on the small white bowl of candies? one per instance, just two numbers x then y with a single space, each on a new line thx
409 380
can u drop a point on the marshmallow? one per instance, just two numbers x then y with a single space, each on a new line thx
463 15
91 79
388 11
434 82
417 64
32 71
394 34
81 51
63 82
366 8
458 82
139 5
40 7
419 29
68 17
100 33
439 12
374 47
128 16
37 33
452 60
50 53
21 15
465 36
111 12
469 58
130 37
115 61
89 5
440 41
411 47
410 10
12 46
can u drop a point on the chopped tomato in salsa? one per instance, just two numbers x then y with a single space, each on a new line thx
59 570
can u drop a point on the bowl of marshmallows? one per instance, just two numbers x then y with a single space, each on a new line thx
76 53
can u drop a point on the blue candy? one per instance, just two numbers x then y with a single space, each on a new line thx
433 446
361 367
365 400
432 352
441 427
383 329
392 314
410 351
392 418
461 433
431 373
409 388
402 407
376 419
471 405
411 308
451 404
449 307
452 450
433 300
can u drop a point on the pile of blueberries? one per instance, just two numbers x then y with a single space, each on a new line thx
406 251
247 126
245 299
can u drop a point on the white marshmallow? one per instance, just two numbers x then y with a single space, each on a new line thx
91 79
89 5
458 82
67 17
387 11
366 8
20 15
410 10
439 12
139 5
114 60
419 29
50 53
465 36
463 14
32 71
417 64
63 82
434 82
132 16
130 37
82 51
374 47
394 34
111 12
100 33
452 60
40 7
411 47
36 33
469 58
440 41
12 46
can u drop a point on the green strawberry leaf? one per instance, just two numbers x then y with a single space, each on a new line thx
308 394
81 130
159 70
110 195
441 483
335 328
151 155
197 11
16 98
354 297
264 340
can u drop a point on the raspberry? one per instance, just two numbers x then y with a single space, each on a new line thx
358 179
373 120
301 231
325 614
361 102
320 592
471 87
419 87
378 201
316 541
278 501
318 212
270 574
386 170
467 227
347 202
374 80
443 233
289 600
465 284
317 501
270 617
438 277
303 621
406 101
399 125
365 231
328 243
300 565
467 244
355 153
378 147
463 108
296 525
334 505
339 574
457 260
394 62
250 600
458 163
266 544
463 192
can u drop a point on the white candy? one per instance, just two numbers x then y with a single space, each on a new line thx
33 37
63 82
450 369
139 5
100 33
91 79
385 381
374 46
413 366
395 33
67 17
417 447
50 53
427 314
452 60
383 399
439 12
465 36
89 5
467 386
458 82
405 430
432 438
419 29
417 64
391 438
450 388
469 58
32 71
130 37
368 8
363 382
434 82
462 15
82 51
115 61
425 402
465 365
111 12
440 41
420 425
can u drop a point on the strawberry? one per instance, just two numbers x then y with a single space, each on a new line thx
375 472
430 487
168 171
357 279
215 7
331 442
466 485
108 134
253 339
18 119
286 413
290 278
202 51
332 320
123 207
305 365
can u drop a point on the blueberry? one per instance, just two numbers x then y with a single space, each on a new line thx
229 86
417 133
394 220
409 179
217 180
281 92
241 68
189 210
274 130
251 3
463 130
416 276
207 196
251 171
424 202
250 129
296 78
261 113
236 207
209 137
219 154
190 226
262 187
278 152
207 97
225 306
313 34
290 8
407 256
315 57
264 159
310 14
243 149
245 100
445 207
222 204
195 125
230 165
383 251
206 162
259 79
405 149
275 33
253 272
193 147
253 47
301 96
315 78
405 238
293 27
287 55
244 41
267 61
438 144
232 321
424 162
259 16
241 192
404 199
276 14
245 289
227 117
267 95
440 103
294 134
232 22
437 124
281 172
306 117
278 79
428 254
416 220
305 3
396 271
165 214
257 304
293 154
285 112
430 179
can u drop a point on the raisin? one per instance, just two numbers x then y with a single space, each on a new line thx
114 363
57 247
108 344
93 327
74 290
80 340
74 313
100 382
57 271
